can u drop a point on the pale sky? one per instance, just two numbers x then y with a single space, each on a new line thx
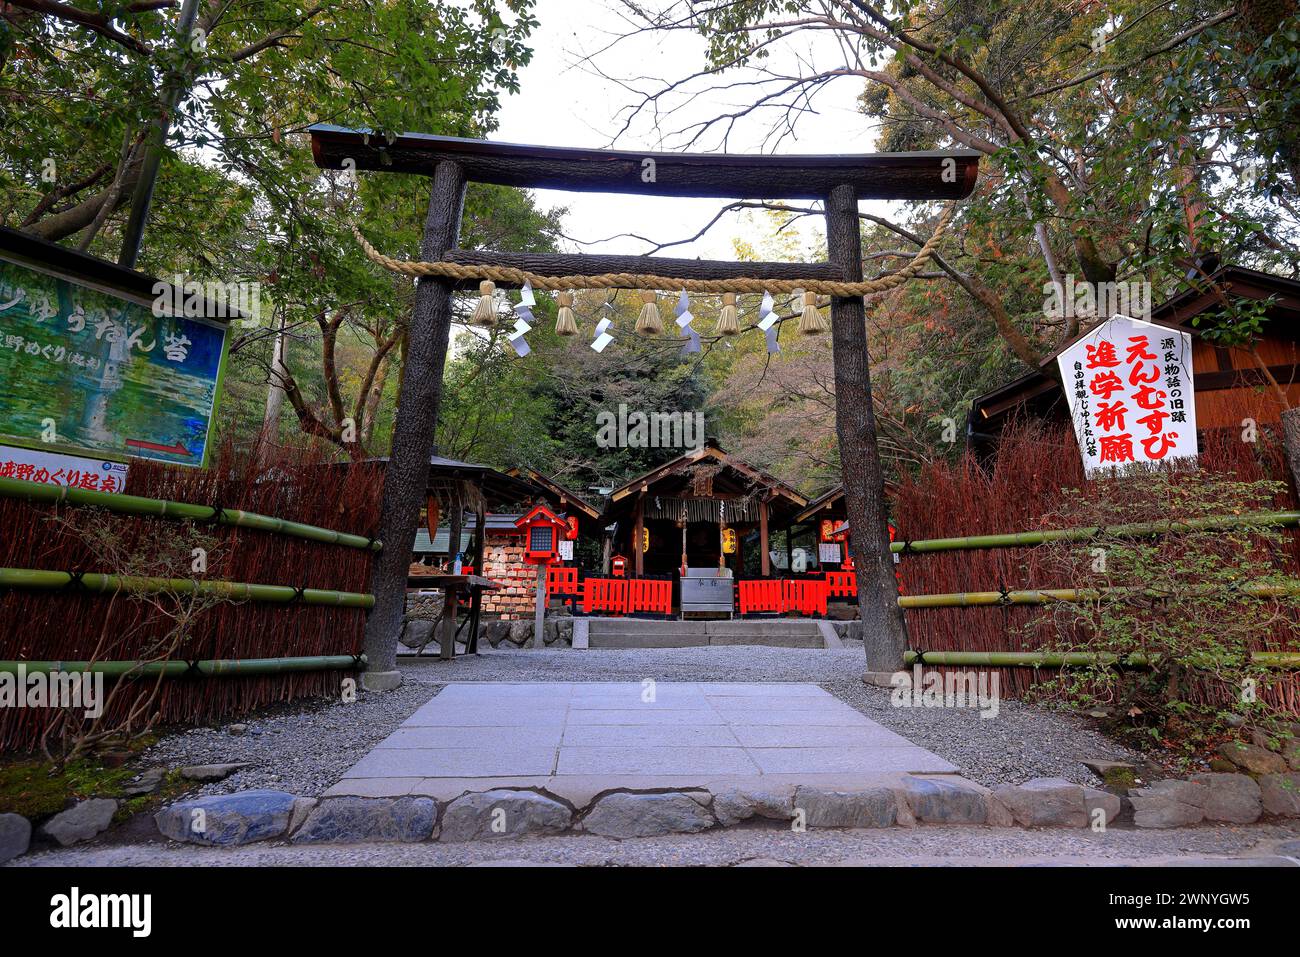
564 102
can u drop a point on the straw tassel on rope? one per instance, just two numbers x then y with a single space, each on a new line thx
649 323
565 323
485 313
729 317
811 321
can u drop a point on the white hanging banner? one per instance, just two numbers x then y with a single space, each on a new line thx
1130 388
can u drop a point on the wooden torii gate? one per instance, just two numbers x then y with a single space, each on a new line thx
840 181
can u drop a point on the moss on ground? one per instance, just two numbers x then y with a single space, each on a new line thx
36 789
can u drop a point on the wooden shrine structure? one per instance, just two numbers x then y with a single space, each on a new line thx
839 181
682 507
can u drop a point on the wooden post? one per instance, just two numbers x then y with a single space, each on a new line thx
762 538
539 612
638 534
451 594
476 595
884 629
407 475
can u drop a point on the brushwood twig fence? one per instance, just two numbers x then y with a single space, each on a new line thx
291 569
1033 469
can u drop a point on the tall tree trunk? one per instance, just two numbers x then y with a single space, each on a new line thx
274 393
372 399
407 475
884 630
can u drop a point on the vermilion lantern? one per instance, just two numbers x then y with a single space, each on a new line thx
542 530
572 533
618 566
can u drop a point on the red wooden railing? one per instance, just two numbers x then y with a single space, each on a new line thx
842 584
804 596
561 580
759 595
651 595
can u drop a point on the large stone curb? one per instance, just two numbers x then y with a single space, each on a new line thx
352 820
505 813
226 820
625 814
15 836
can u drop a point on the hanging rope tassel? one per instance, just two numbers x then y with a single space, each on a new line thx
649 323
485 313
565 323
811 321
729 317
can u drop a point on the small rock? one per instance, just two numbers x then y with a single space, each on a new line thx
225 820
521 632
1252 758
1169 804
1280 793
647 815
1110 805
503 814
417 634
211 772
349 820
15 836
237 728
1234 798
1045 802
147 783
1291 753
81 822
874 807
496 632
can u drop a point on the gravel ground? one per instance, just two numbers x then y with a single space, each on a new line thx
1261 845
302 749
307 748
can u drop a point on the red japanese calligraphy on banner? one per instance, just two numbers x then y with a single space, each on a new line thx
1131 395
54 468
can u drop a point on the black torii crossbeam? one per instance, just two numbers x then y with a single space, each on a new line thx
840 181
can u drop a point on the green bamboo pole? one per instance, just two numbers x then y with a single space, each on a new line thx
1045 596
1132 530
1053 659
218 667
233 591
179 511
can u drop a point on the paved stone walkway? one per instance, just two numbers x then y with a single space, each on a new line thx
579 739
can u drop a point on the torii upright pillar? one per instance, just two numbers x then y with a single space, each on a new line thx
884 632
406 477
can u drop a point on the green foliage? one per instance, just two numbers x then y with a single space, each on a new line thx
1190 618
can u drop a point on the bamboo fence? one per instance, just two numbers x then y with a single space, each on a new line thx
1001 509
290 568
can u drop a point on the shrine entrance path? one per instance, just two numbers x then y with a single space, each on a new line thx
577 739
